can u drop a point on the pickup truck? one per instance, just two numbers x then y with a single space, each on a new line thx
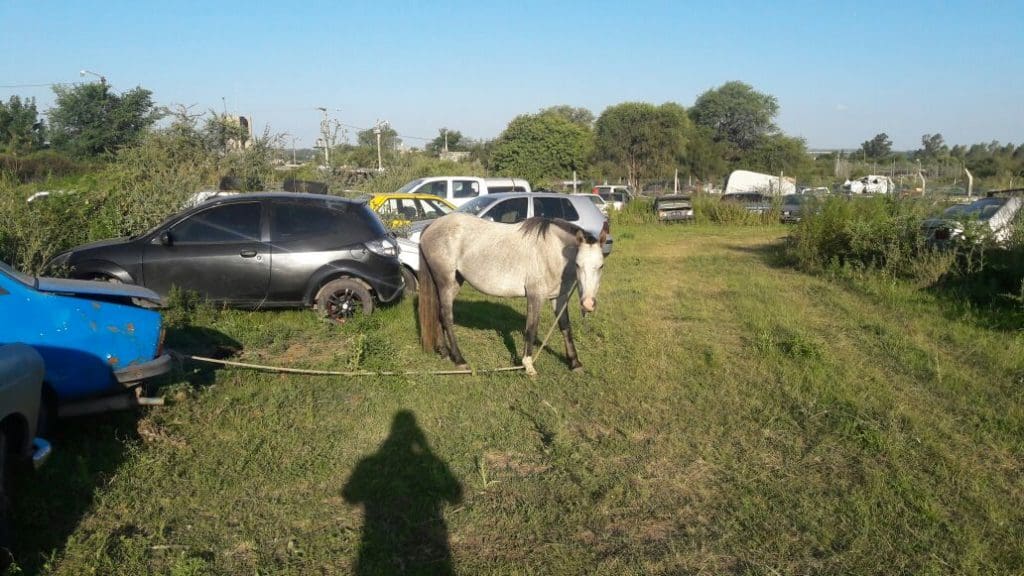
461 189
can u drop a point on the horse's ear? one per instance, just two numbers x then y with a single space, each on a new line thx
604 234
580 236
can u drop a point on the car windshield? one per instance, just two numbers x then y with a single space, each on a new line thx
794 200
411 186
434 208
981 209
477 205
23 278
597 200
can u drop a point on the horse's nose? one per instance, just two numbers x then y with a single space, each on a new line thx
589 304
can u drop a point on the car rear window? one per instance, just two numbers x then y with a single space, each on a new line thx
341 223
555 208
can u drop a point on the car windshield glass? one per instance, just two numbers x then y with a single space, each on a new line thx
983 209
411 186
793 200
477 205
433 209
23 278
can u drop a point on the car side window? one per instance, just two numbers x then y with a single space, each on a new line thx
231 223
555 208
439 189
294 220
465 189
509 211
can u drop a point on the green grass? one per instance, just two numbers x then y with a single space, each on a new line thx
735 416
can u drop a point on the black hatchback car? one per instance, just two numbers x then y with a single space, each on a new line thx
255 251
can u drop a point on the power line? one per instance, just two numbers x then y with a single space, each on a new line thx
49 85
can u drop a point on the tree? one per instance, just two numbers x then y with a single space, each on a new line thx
366 153
878 147
780 153
453 139
91 120
581 116
737 114
933 146
645 139
20 127
705 158
539 146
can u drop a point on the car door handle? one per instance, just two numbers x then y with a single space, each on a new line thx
247 253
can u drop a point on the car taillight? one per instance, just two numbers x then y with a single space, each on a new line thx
594 191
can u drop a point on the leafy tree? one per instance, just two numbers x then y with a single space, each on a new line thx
365 153
780 153
455 142
645 139
539 146
704 157
933 146
20 127
91 120
737 114
878 147
581 116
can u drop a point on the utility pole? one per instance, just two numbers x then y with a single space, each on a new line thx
293 149
378 128
328 133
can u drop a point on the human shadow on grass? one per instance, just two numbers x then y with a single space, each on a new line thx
403 488
48 504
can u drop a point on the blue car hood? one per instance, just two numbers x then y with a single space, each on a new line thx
94 288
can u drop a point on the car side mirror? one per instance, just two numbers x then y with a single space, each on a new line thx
165 238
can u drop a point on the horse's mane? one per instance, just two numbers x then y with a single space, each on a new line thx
539 225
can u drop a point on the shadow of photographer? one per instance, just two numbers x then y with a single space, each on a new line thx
403 488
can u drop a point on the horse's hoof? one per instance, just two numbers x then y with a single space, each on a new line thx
528 366
578 368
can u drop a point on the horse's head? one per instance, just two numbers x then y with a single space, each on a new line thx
589 261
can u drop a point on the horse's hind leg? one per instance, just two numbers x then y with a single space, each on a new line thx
447 294
566 327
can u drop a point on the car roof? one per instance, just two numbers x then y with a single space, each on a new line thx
409 195
503 195
279 196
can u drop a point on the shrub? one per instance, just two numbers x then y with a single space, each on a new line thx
39 166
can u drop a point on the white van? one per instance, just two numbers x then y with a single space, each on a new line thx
460 189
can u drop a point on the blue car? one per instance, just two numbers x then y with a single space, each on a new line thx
94 340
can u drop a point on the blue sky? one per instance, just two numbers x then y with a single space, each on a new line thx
842 71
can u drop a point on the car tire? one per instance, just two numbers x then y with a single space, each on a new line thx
140 302
411 283
341 299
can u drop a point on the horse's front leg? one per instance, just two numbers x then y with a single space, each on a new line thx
566 327
533 304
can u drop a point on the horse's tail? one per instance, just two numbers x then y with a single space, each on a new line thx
429 308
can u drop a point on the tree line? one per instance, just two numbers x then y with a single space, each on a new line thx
728 127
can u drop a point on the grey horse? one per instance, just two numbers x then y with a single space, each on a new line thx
539 258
